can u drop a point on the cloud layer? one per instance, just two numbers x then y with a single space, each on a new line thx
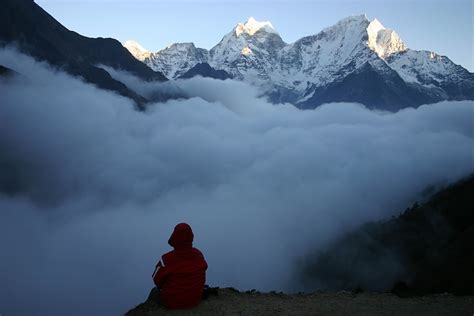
91 189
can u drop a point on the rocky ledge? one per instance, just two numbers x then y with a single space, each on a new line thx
232 302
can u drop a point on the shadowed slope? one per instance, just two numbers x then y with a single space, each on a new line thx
24 24
427 249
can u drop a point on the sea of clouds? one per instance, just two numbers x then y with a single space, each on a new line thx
90 188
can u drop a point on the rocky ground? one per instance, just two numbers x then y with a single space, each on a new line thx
231 302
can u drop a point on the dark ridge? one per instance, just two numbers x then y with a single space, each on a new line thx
6 72
426 249
205 70
376 87
34 32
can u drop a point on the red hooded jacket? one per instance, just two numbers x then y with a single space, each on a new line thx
181 273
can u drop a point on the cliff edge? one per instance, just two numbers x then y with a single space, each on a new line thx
232 302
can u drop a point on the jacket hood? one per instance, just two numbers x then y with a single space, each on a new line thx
182 236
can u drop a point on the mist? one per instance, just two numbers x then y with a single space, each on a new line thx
90 189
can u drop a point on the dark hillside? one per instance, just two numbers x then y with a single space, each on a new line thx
26 25
427 249
384 90
205 70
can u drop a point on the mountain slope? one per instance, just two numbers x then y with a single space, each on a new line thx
374 84
434 71
138 51
205 70
176 59
327 66
427 249
249 51
26 25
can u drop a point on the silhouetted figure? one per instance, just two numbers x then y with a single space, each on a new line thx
181 273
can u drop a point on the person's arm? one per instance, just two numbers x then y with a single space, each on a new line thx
160 274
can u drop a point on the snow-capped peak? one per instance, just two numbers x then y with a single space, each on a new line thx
133 45
383 41
252 26
137 50
375 26
347 22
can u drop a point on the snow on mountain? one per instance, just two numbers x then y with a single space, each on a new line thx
324 57
383 41
249 51
255 52
252 26
422 67
336 51
137 50
435 72
176 59
299 72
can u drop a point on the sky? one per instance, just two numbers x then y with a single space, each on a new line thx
443 26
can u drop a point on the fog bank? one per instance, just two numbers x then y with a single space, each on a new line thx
91 189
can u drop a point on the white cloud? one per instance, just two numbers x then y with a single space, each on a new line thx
92 188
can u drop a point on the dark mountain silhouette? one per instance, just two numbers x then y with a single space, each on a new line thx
205 70
26 25
377 87
427 249
6 72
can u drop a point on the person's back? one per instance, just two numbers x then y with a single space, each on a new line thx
181 273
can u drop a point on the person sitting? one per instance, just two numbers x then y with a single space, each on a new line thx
181 273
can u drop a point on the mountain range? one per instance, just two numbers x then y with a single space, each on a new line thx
355 60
